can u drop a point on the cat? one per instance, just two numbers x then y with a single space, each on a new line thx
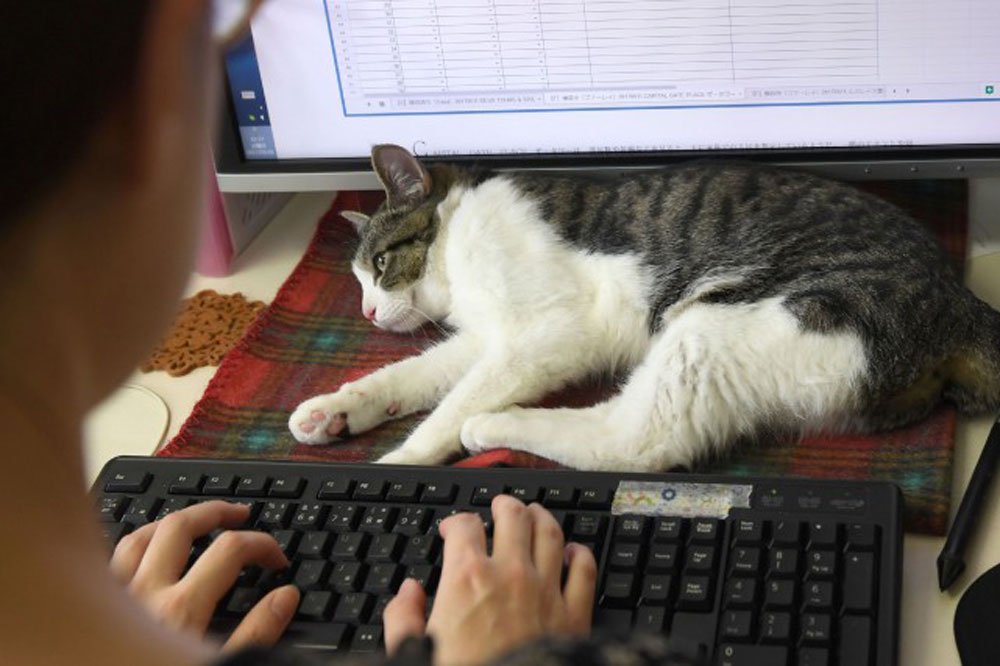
742 299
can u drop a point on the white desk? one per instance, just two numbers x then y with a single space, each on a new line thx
926 638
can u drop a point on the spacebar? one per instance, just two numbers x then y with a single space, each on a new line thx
321 636
752 655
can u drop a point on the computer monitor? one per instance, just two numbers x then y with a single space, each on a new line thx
855 88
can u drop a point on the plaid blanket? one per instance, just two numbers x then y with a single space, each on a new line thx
312 339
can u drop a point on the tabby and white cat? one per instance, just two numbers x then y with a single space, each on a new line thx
743 300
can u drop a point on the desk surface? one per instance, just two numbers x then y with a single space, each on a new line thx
926 638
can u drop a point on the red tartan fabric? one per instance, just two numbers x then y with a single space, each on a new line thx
312 339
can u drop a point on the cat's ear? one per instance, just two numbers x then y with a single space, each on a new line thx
359 220
404 178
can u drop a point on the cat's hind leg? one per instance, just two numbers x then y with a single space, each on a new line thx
715 373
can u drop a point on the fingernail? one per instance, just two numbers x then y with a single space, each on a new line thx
284 602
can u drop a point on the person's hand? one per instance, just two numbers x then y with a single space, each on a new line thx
487 605
151 561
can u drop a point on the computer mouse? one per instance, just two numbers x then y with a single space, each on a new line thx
976 621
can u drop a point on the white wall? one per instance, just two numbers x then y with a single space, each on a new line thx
984 216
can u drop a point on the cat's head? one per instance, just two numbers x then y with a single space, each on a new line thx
392 255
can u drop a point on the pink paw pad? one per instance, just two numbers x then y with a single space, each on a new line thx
307 426
393 408
317 415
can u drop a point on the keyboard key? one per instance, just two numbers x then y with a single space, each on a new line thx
421 549
112 508
353 607
559 497
815 629
335 489
624 556
403 491
384 578
219 484
275 514
631 528
821 564
859 582
752 655
651 618
740 593
736 625
254 485
309 516
347 576
128 482
321 637
311 574
748 532
655 590
779 594
784 563
699 560
370 491
595 498
287 540
438 493
343 518
172 505
185 484
695 593
668 529
316 545
377 519
386 548
817 595
290 487
775 627
618 591
349 546
862 537
814 657
412 520
855 640
823 535
375 617
483 495
787 533
242 600
586 527
661 558
425 574
704 530
526 493
316 605
744 561
367 638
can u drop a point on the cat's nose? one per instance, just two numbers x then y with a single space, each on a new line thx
370 314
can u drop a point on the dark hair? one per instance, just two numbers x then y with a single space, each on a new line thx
66 63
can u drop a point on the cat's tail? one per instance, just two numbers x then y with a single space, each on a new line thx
972 376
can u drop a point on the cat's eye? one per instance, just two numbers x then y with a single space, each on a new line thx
380 261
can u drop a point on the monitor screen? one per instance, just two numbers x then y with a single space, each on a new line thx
327 79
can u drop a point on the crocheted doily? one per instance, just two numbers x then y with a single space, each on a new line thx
207 327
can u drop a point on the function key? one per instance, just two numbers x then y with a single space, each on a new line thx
128 482
403 491
287 486
335 489
438 493
370 491
631 527
483 495
253 485
748 532
862 537
595 498
823 535
559 497
668 529
787 533
185 484
526 494
704 530
219 484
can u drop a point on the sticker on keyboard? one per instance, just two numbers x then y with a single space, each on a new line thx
687 500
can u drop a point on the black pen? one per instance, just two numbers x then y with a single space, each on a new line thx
950 562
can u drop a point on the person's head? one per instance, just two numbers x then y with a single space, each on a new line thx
106 137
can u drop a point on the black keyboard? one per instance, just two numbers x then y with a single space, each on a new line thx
752 571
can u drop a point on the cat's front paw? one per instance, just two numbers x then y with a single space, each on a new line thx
484 432
332 416
402 456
